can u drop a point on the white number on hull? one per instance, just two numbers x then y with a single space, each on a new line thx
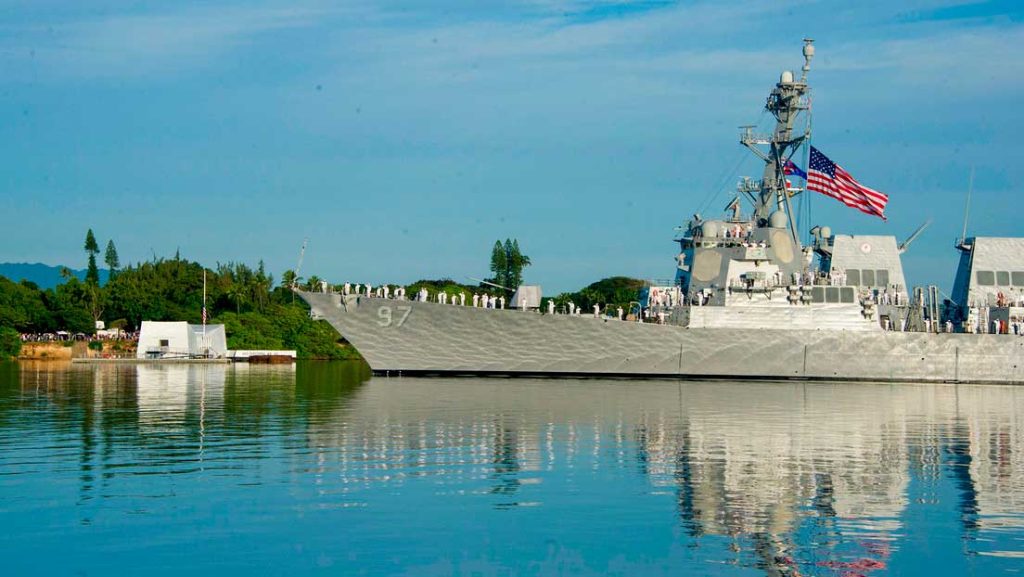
386 317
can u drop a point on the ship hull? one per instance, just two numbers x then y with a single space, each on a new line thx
431 338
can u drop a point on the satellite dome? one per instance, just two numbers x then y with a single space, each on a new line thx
787 77
710 229
778 219
826 232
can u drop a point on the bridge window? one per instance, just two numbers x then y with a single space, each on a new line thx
846 294
853 277
1018 278
985 277
1003 278
832 294
818 294
868 277
882 277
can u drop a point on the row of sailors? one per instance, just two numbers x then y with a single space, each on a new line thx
478 300
996 327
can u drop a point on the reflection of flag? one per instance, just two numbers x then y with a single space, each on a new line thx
830 179
791 168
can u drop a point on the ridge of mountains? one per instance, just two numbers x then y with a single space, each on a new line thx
43 275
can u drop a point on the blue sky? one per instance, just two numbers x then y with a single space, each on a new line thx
402 138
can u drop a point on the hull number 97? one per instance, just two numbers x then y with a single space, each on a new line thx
392 316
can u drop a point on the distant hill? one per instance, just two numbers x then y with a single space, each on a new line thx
44 275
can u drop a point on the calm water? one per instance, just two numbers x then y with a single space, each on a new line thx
318 469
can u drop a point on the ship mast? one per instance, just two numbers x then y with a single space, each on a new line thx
785 102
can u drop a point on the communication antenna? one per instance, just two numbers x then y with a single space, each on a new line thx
808 55
491 284
302 255
967 207
903 246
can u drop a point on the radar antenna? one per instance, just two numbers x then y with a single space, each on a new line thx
786 101
302 255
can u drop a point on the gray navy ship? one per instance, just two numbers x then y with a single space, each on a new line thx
748 301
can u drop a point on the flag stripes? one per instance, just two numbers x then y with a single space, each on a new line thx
830 179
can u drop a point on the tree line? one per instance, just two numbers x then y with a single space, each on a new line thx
256 313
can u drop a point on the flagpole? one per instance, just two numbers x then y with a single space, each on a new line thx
204 305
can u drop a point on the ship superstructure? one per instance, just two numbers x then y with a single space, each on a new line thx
748 300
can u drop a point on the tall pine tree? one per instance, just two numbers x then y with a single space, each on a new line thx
92 275
111 258
499 264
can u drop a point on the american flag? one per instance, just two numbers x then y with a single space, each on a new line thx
830 179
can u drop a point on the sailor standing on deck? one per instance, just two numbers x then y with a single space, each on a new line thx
501 302
597 311
551 307
346 289
476 300
619 312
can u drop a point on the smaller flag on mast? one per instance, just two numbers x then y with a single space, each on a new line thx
830 179
790 168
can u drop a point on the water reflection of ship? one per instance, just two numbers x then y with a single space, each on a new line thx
748 462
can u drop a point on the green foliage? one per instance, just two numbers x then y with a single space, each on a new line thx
289 278
284 326
71 304
96 345
611 292
24 308
10 343
448 286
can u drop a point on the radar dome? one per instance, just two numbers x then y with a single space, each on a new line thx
787 77
778 219
710 229
826 232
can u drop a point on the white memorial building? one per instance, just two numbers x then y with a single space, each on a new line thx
180 340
